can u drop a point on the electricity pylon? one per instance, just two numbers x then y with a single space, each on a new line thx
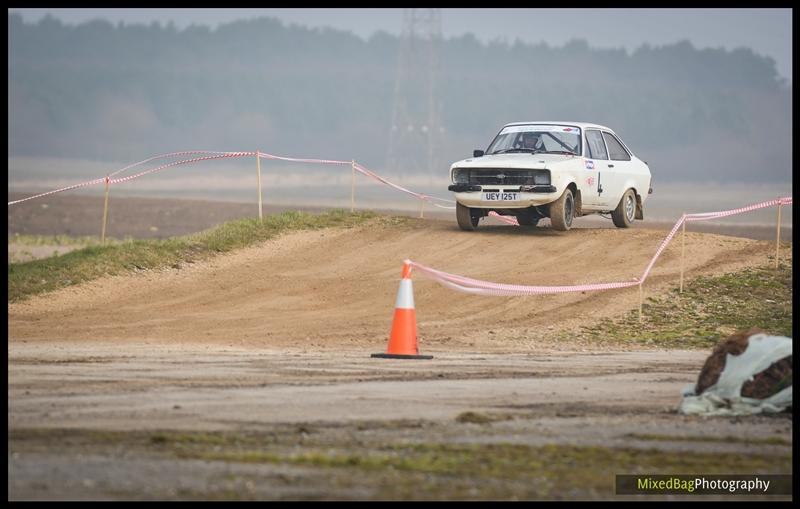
416 130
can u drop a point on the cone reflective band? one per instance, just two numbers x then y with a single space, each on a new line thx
403 338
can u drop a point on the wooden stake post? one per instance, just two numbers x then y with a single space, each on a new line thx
353 188
641 298
105 215
778 236
683 249
258 167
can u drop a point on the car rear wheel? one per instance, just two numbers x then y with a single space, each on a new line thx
562 211
467 218
625 212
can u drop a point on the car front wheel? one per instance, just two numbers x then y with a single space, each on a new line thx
562 211
467 220
625 212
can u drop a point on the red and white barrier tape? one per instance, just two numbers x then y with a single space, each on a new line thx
663 246
164 156
478 287
725 213
361 169
116 181
364 171
223 155
75 186
299 160
506 219
212 155
367 172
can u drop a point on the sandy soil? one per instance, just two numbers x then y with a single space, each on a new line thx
280 335
334 288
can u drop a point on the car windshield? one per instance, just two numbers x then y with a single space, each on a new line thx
538 139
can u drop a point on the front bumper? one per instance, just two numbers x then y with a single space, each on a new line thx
472 195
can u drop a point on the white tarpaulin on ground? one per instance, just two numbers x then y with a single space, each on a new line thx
724 397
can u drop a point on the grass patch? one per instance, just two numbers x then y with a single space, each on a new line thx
410 471
493 471
473 417
94 261
481 418
709 309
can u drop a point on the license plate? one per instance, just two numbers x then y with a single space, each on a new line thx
502 196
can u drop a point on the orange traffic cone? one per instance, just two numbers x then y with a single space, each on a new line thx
403 339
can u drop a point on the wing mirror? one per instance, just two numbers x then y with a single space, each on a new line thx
477 153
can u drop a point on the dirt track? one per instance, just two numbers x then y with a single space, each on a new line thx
334 288
280 335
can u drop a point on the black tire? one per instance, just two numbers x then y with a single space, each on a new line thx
562 211
625 212
467 219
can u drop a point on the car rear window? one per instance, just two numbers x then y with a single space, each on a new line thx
615 148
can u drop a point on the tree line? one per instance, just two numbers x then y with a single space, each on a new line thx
123 92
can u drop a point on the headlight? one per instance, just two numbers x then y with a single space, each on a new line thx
542 178
461 176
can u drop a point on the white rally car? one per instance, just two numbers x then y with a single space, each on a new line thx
559 170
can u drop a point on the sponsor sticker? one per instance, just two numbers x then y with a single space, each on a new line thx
589 165
590 181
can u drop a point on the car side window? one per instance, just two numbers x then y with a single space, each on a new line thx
615 148
595 145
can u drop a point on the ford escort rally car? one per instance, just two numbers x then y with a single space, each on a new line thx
556 170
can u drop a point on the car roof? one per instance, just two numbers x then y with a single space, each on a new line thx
582 125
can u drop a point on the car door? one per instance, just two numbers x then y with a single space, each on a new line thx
594 162
620 170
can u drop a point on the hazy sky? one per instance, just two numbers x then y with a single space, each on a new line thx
766 31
